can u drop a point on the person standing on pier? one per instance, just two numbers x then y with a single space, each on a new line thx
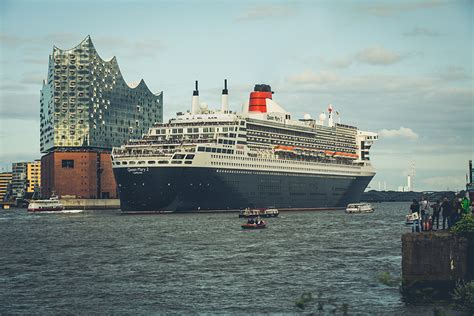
415 207
456 210
465 205
446 212
425 211
436 209
424 206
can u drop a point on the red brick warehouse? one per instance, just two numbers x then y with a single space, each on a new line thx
84 174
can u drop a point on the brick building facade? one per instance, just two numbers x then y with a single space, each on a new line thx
83 174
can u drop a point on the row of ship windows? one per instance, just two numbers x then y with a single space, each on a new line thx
292 133
312 146
310 143
176 160
216 150
309 137
273 167
152 162
280 161
195 130
273 173
322 133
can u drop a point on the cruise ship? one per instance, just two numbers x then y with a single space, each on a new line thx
208 160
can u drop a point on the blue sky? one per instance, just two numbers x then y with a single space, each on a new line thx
400 68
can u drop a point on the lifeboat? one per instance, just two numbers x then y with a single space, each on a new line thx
345 155
284 148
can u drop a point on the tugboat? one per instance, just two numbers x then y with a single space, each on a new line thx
257 224
249 213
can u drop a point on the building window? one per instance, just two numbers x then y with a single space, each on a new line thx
68 164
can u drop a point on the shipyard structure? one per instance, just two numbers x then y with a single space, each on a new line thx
86 109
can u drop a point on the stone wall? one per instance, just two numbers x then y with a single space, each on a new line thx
432 262
89 175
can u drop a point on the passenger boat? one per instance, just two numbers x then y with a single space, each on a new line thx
262 225
248 212
51 205
360 208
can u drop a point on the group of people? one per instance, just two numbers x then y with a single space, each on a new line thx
451 212
257 221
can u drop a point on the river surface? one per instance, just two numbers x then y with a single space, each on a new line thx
104 262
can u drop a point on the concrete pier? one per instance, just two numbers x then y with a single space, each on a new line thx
90 204
432 263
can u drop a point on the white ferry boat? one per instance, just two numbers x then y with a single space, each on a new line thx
221 160
248 212
50 205
360 208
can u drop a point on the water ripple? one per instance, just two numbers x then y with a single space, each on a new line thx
102 262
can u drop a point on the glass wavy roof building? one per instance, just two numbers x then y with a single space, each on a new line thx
85 102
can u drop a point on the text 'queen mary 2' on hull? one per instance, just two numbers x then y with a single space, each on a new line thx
219 160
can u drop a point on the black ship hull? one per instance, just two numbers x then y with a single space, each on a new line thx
178 189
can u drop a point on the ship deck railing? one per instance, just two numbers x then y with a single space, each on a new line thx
172 142
183 124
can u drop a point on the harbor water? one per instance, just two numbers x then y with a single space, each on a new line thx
105 262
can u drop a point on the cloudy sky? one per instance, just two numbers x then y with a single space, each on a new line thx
399 68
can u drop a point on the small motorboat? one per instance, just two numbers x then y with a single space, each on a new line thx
359 208
254 225
268 212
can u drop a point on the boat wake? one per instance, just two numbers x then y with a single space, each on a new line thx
62 212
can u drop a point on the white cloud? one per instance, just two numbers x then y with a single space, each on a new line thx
19 105
341 63
37 61
445 182
32 78
421 31
136 49
7 86
394 8
402 132
454 73
310 77
267 11
55 38
8 40
377 55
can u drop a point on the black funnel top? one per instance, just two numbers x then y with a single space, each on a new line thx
196 92
262 88
225 91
